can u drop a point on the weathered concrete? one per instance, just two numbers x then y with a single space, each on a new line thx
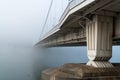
49 74
99 40
81 72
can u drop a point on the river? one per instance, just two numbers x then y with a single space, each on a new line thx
25 63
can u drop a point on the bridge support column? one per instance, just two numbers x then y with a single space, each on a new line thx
99 40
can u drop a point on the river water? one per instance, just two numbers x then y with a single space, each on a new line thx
27 63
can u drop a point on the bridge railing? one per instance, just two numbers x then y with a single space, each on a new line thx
71 5
51 27
74 3
54 14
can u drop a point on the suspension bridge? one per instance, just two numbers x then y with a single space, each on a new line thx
91 23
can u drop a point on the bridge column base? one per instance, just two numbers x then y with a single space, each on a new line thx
99 40
101 64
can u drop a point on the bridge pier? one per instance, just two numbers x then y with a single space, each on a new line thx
99 40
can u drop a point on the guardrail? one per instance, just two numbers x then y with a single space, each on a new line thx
71 5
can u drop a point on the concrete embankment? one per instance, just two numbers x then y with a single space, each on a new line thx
81 72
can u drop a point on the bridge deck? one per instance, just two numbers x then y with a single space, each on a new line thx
71 29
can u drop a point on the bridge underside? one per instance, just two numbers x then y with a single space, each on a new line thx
96 25
73 31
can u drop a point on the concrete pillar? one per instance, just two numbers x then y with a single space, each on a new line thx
99 40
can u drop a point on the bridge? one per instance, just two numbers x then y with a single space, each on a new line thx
91 23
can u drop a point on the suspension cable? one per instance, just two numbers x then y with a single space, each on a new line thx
46 18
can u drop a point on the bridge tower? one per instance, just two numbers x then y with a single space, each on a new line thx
99 40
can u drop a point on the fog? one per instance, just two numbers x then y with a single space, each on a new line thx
20 26
21 22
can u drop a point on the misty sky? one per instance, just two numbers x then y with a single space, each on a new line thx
21 21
